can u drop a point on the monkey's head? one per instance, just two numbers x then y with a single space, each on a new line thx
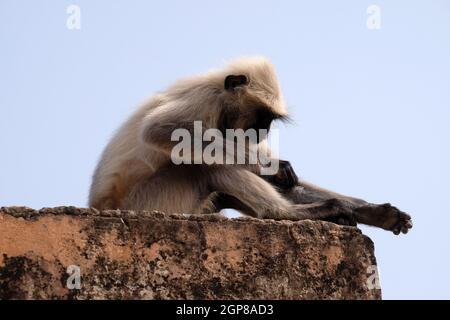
251 95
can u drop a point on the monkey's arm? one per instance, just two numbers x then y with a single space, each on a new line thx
384 216
240 189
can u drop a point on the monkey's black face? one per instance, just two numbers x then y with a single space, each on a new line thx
260 118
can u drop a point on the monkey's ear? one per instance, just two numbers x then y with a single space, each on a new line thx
233 81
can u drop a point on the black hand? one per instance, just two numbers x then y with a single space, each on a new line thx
286 177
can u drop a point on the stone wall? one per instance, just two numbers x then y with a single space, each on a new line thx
139 255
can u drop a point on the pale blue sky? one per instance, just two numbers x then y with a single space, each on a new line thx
371 107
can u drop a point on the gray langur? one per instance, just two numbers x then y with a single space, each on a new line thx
136 171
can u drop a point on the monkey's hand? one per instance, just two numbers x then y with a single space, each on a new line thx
285 178
385 216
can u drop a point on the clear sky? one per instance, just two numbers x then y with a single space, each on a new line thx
371 107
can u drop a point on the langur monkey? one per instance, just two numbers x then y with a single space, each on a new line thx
136 171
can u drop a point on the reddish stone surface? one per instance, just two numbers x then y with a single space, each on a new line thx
143 255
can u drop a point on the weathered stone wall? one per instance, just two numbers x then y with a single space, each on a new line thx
128 255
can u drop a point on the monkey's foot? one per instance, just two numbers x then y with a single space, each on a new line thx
387 217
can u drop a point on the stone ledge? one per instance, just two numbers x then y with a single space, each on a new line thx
152 255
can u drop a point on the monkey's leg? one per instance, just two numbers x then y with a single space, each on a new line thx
305 192
330 210
173 189
384 216
243 190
